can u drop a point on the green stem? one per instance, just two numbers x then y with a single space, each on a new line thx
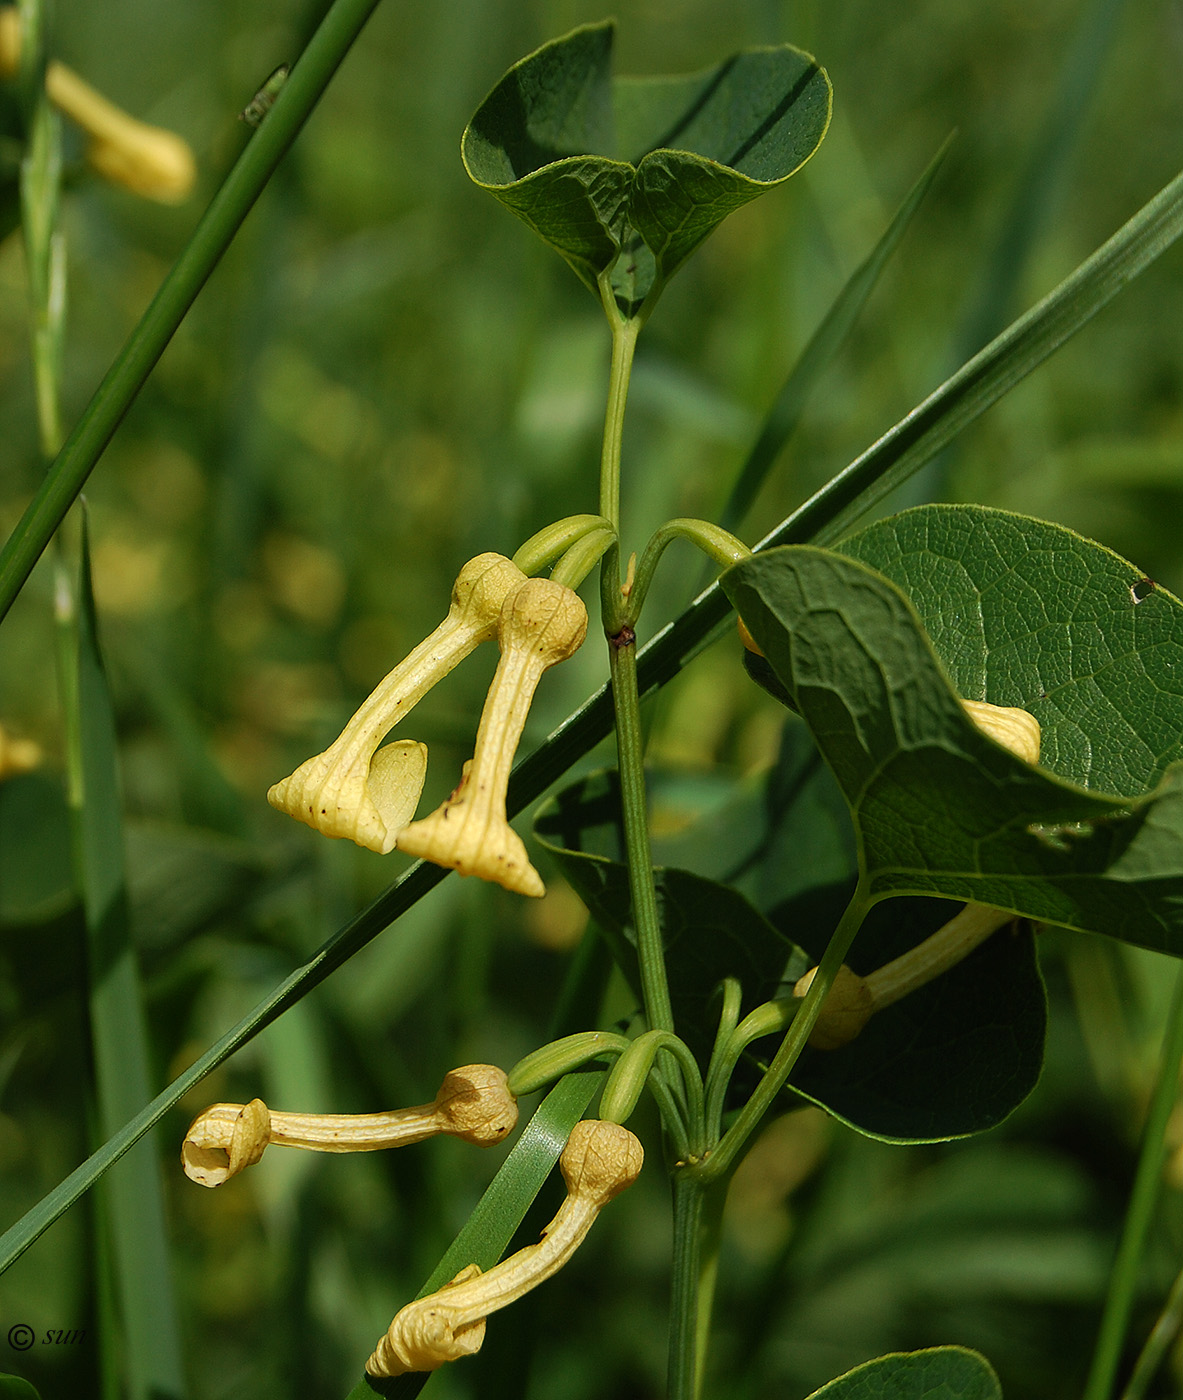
622 652
624 344
768 1019
683 1381
1123 1281
721 1160
221 221
646 923
710 1237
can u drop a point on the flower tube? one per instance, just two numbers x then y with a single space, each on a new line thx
852 1000
368 794
473 1103
541 624
600 1160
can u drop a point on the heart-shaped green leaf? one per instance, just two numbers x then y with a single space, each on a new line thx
952 1058
942 1373
940 808
1023 612
644 167
710 931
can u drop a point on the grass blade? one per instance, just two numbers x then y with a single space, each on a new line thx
823 518
133 1204
786 411
213 235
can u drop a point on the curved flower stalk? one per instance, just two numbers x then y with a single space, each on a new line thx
368 794
601 1160
148 160
541 624
473 1103
852 1000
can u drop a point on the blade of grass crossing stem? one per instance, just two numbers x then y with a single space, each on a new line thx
212 236
823 518
785 413
487 1232
133 1203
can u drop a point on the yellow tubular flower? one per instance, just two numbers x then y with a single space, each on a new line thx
600 1161
356 790
541 624
148 160
473 1103
852 1000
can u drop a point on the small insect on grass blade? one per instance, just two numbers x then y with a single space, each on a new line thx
259 105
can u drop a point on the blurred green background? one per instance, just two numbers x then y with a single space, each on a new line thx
387 375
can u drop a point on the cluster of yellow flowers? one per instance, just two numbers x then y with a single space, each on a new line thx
599 1161
358 790
367 791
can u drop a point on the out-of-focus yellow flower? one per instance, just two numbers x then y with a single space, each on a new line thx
148 160
17 755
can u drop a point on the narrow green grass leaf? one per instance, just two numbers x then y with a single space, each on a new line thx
133 1204
213 235
1043 175
995 370
488 1230
836 325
